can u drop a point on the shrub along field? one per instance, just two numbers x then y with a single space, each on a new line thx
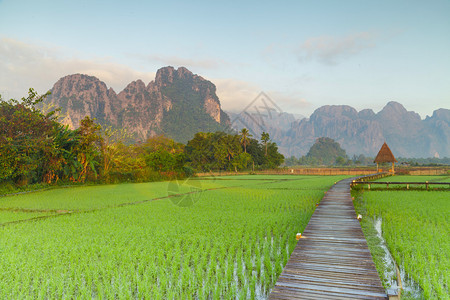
131 241
416 227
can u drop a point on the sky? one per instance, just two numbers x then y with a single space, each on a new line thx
302 54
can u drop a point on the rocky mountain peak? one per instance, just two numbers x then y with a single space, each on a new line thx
79 83
366 114
334 111
175 96
79 95
394 110
164 76
182 72
167 75
441 114
132 89
395 106
200 88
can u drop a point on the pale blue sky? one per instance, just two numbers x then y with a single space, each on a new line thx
304 54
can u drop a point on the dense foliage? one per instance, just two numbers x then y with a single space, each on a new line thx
325 151
431 161
222 151
30 146
129 242
35 148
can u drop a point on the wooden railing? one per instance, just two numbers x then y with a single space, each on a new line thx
371 177
407 184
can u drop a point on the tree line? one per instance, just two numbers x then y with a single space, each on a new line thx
327 152
36 148
233 152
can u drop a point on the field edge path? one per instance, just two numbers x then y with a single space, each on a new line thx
332 259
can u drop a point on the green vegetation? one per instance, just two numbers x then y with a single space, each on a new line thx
36 149
7 216
324 151
245 138
233 242
431 161
221 151
416 228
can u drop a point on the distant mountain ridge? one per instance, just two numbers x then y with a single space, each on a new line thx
177 103
364 132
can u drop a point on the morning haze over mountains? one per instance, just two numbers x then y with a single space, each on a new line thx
179 103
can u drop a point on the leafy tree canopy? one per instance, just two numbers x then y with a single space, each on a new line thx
325 151
222 151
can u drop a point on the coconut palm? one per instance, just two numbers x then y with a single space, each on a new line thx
245 135
265 139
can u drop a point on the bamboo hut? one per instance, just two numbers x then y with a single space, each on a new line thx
385 156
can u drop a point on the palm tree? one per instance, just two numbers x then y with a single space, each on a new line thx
265 138
245 135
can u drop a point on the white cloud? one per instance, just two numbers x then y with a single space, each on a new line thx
234 94
330 50
24 65
289 102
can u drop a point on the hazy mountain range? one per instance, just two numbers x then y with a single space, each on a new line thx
179 103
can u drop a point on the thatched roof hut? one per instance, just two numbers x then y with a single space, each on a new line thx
385 156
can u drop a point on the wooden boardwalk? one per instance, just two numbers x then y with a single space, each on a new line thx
332 259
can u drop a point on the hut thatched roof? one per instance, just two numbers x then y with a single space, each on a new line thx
385 155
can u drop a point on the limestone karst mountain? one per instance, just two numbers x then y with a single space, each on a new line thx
177 103
365 131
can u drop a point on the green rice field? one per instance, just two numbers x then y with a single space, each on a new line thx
224 237
416 228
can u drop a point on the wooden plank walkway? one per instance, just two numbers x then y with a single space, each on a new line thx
332 259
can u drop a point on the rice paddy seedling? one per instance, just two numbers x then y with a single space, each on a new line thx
231 242
416 227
